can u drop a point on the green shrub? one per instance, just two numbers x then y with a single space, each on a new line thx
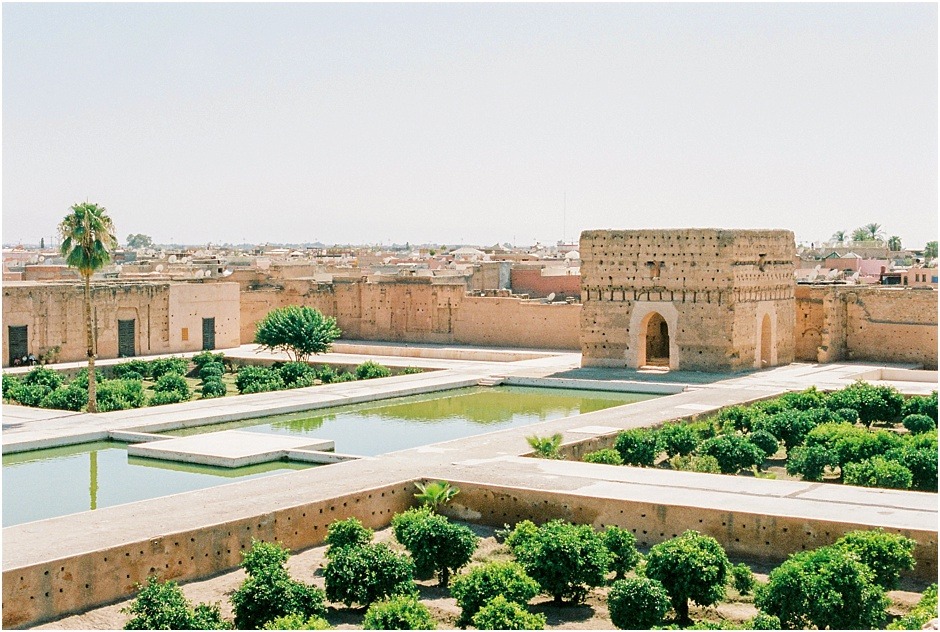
621 544
370 370
637 447
565 559
366 574
502 614
474 589
703 464
298 331
763 621
605 456
924 611
766 442
269 592
349 532
546 447
128 370
401 612
41 376
171 382
918 424
921 461
162 606
120 395
691 566
873 403
742 579
825 588
809 461
733 452
921 405
164 366
297 622
435 494
81 378
789 426
637 603
207 357
848 443
10 383
411 370
29 395
326 374
214 388
167 397
524 532
886 554
739 418
803 400
877 472
677 439
211 370
344 376
297 374
66 398
258 379
847 415
436 544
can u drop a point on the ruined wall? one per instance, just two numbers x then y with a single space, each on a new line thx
712 287
531 281
886 324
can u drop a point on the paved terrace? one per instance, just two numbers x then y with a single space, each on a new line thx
70 563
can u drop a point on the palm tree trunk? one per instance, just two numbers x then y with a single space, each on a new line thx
90 339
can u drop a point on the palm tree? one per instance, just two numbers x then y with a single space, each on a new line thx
894 243
839 236
87 240
874 231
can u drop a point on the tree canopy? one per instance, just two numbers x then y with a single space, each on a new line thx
139 240
300 331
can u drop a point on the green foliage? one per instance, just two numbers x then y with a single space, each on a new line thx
139 240
677 439
878 472
173 383
849 415
213 388
733 452
81 378
299 331
827 587
167 397
848 443
436 544
326 374
637 603
637 447
269 592
401 612
918 424
369 370
804 400
344 376
162 606
10 383
29 395
789 426
565 559
886 554
435 494
120 395
924 611
207 357
411 370
165 366
763 621
474 589
297 622
740 418
130 369
766 442
703 464
546 447
502 614
922 463
297 374
41 376
921 405
523 533
366 574
691 566
211 370
605 456
873 403
258 379
66 398
621 544
742 579
349 532
809 461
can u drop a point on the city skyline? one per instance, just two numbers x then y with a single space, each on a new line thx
469 123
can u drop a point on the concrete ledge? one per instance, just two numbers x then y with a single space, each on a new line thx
317 456
624 386
55 442
128 436
229 448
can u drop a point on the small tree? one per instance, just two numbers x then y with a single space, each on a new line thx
742 579
878 472
917 424
733 452
370 370
691 566
299 331
349 532
436 544
621 544
637 447
163 606
637 603
401 612
886 554
677 439
921 405
366 574
474 589
809 461
502 614
604 456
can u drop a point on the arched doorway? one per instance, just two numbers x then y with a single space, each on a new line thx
657 341
766 343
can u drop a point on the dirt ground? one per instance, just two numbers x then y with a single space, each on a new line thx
308 566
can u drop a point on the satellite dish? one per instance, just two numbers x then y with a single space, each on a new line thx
159 268
208 273
41 259
550 297
200 273
172 259
227 273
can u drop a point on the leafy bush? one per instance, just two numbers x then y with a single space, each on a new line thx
297 622
66 398
703 464
370 370
164 366
565 559
502 614
691 566
677 439
211 370
474 589
166 397
739 418
171 382
637 447
733 452
637 603
9 384
524 532
436 544
789 426
120 395
742 579
763 621
921 405
130 369
366 574
326 374
162 606
803 400
297 374
878 472
81 378
257 379
809 461
924 611
401 612
921 461
848 443
766 442
886 554
41 376
214 388
605 456
207 357
849 415
411 370
349 532
344 376
825 588
918 424
269 592
299 331
873 403
545 447
29 395
435 494
621 544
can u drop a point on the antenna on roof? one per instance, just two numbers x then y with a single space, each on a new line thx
550 297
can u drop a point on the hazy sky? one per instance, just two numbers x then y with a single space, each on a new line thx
469 123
